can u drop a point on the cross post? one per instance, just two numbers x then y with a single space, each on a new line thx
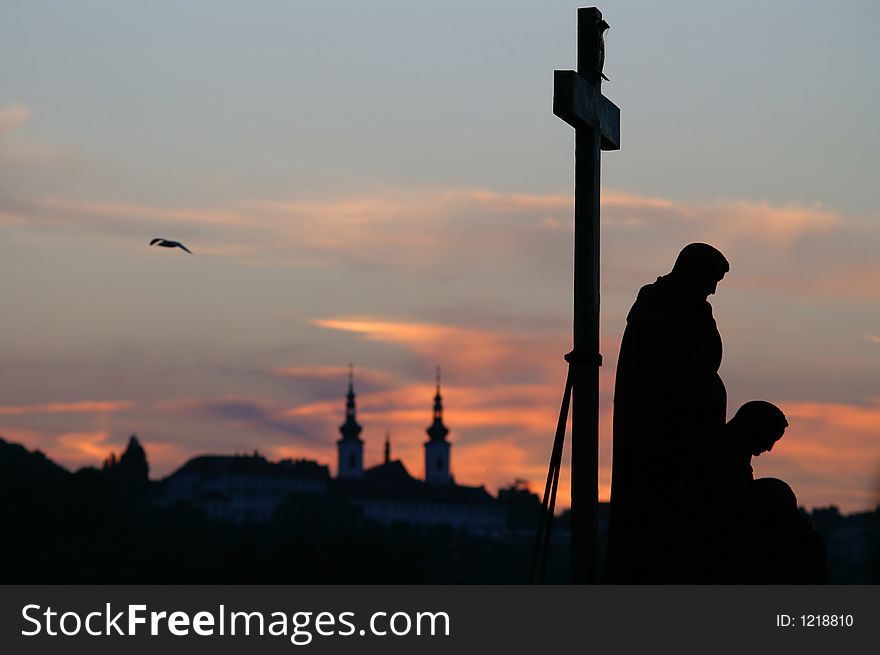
578 100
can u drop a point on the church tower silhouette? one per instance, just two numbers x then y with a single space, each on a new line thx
350 447
437 447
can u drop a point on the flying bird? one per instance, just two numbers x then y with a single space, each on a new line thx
167 243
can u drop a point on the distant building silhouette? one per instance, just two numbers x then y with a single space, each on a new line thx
243 488
437 448
350 448
388 494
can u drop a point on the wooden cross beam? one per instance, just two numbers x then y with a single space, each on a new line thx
582 105
578 100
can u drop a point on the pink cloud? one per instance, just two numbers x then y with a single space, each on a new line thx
77 449
722 222
736 221
478 354
70 449
79 407
12 116
852 418
478 232
18 152
83 447
830 454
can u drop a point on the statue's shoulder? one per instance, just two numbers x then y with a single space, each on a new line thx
651 305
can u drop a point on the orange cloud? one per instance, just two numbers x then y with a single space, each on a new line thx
477 355
75 449
166 456
79 407
474 354
92 448
830 454
619 199
84 447
12 116
745 221
320 455
852 418
495 463
421 337
516 202
723 221
32 438
851 281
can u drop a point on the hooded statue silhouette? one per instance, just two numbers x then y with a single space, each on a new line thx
669 404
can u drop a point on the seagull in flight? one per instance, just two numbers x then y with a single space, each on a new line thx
167 243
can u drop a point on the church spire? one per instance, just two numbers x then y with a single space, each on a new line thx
438 431
387 447
351 429
437 448
350 447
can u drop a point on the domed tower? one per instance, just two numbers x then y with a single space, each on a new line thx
437 448
350 447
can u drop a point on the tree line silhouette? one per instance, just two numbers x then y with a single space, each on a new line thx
100 525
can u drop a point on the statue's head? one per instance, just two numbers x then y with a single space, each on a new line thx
758 425
698 269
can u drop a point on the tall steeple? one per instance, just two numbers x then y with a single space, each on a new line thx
437 431
437 448
350 447
350 429
387 447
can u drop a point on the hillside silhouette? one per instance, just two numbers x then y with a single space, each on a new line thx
103 526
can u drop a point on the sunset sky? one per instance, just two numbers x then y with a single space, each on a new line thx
385 184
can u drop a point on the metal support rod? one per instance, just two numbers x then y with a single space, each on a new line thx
541 551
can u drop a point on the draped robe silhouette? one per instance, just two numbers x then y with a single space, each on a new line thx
669 403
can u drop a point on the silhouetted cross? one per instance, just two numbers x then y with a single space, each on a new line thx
578 100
